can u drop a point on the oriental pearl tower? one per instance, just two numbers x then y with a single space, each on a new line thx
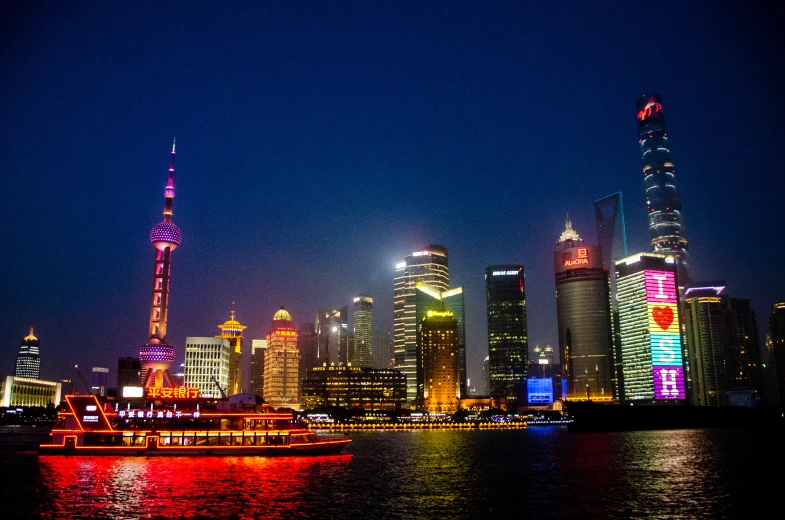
156 356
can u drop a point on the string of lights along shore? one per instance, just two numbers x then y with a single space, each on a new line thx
633 327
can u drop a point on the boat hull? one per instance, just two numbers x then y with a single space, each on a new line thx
325 447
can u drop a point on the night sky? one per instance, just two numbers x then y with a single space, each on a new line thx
320 142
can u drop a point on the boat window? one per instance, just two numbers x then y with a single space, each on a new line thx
248 440
201 439
164 440
188 440
237 439
139 439
176 439
212 439
225 439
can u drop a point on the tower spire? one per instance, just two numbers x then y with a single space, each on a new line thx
169 190
157 355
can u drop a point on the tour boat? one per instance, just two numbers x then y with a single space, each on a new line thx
88 427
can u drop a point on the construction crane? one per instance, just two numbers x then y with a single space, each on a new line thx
223 394
81 377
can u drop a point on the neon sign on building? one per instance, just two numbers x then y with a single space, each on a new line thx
650 109
664 336
583 258
180 392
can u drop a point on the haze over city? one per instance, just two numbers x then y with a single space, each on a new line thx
317 146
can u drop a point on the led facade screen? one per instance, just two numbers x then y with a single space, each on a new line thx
664 336
539 390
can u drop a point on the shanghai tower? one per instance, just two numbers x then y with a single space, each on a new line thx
666 222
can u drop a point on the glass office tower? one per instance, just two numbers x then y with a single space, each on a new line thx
508 343
583 314
612 238
428 266
666 223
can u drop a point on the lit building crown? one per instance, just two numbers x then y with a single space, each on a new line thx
282 315
30 337
569 233
232 327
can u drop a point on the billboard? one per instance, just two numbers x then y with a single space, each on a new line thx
539 390
577 258
667 365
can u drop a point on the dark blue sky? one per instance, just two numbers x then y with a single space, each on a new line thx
318 143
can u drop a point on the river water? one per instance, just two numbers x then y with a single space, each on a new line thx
541 472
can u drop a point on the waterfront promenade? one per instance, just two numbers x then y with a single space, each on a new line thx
483 425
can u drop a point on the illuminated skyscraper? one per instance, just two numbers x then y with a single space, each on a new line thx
722 340
440 362
429 298
612 238
233 331
207 365
332 328
363 332
707 340
583 313
281 363
428 266
508 342
28 361
258 348
611 235
777 348
157 355
666 222
653 354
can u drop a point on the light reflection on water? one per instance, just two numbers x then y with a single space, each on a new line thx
539 472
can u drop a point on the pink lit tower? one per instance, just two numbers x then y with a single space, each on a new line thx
157 355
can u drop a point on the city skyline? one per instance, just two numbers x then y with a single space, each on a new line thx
503 141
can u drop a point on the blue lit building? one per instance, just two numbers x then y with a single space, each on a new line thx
666 222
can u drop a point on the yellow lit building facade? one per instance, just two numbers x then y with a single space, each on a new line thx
281 363
440 362
233 332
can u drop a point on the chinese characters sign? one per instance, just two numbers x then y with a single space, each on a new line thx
180 392
157 414
664 335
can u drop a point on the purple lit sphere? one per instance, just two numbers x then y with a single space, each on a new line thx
165 234
156 353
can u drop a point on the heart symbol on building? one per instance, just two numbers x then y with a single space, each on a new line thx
663 316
